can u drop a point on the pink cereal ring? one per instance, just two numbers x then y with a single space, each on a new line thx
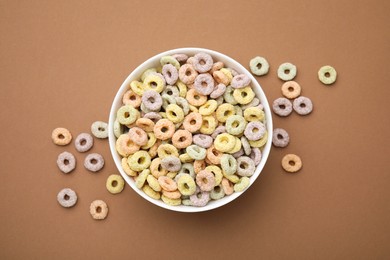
204 84
152 100
218 91
187 74
154 116
203 62
193 122
180 57
254 130
167 183
240 81
205 180
202 140
255 155
200 198
130 98
164 129
138 136
182 139
219 130
170 74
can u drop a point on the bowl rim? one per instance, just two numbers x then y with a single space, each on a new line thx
137 72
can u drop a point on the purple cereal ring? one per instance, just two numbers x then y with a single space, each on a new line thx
245 166
180 57
219 130
256 155
254 130
282 106
202 140
204 84
240 81
94 162
153 116
83 142
170 74
66 162
303 105
200 198
152 100
239 153
203 62
245 145
205 180
253 103
187 74
218 91
171 163
280 137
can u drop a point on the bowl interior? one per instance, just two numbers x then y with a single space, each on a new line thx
154 62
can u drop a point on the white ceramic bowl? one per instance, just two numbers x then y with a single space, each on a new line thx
154 62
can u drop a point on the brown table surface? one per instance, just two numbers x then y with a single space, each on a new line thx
62 63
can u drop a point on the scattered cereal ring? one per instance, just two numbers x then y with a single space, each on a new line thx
245 166
169 60
228 164
174 113
94 162
187 74
152 100
192 122
139 161
171 163
256 155
244 95
66 162
170 74
282 106
224 111
217 193
200 198
240 81
235 125
303 105
61 136
327 75
186 185
224 142
98 209
196 152
83 142
167 183
291 163
218 91
202 62
259 66
99 129
287 71
67 198
130 98
182 139
115 183
254 131
164 129
138 136
151 193
280 137
204 141
127 115
242 184
291 89
205 180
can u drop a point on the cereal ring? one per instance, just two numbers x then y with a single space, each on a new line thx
227 186
169 60
127 115
156 169
195 99
303 105
238 110
224 111
200 198
282 106
61 136
171 163
218 91
130 98
152 100
98 209
193 122
119 129
220 77
228 164
254 131
141 178
235 125
229 73
94 162
217 193
182 139
245 166
208 125
182 89
183 104
153 116
125 146
187 74
254 114
154 82
242 184
205 180
127 169
153 150
202 62
240 81
232 178
83 142
164 129
228 96
236 147
256 155
187 168
244 95
224 142
172 194
137 87
186 185
199 165
151 193
259 143
167 183
170 74
153 183
291 163
169 201
291 89
238 154
115 183
66 162
139 161
213 155
174 113
204 84
280 137
147 72
217 173
287 71
220 100
255 102
327 75
99 129
172 91
138 136
145 124
216 66
245 145
208 108
219 130
259 66
165 150
196 152
204 141
180 57
67 198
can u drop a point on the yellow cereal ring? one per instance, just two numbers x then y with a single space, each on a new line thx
139 161
147 72
151 193
174 113
208 108
236 147
193 109
233 178
169 201
127 115
126 168
153 183
224 111
115 184
228 74
137 87
224 142
242 184
154 82
169 60
172 174
186 185
151 141
254 114
165 150
141 178
208 125
182 89
217 173
244 95
185 158
259 143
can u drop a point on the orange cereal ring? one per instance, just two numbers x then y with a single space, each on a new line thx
221 77
130 98
153 150
213 155
138 136
199 165
145 124
291 163
167 183
193 122
164 129
194 98
291 89
216 66
182 139
156 169
61 136
227 186
172 194
125 146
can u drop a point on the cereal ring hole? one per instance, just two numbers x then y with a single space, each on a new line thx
193 122
98 209
215 153
188 73
141 160
197 97
243 165
204 180
153 84
114 183
66 197
282 106
279 136
83 142
327 74
66 161
291 162
60 136
302 105
164 129
169 92
205 123
186 186
101 129
244 94
217 189
127 114
132 97
286 71
291 89
202 62
93 161
227 113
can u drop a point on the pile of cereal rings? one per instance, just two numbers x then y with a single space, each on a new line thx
190 130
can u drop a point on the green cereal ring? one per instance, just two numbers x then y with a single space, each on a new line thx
127 115
153 183
235 125
174 113
242 184
147 72
228 96
217 193
168 100
171 202
244 95
186 202
154 82
141 178
119 129
287 71
187 168
196 152
224 142
186 185
139 161
115 184
217 173
327 75
238 110
169 60
228 164
183 104
259 66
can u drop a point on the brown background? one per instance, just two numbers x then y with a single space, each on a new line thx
63 61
